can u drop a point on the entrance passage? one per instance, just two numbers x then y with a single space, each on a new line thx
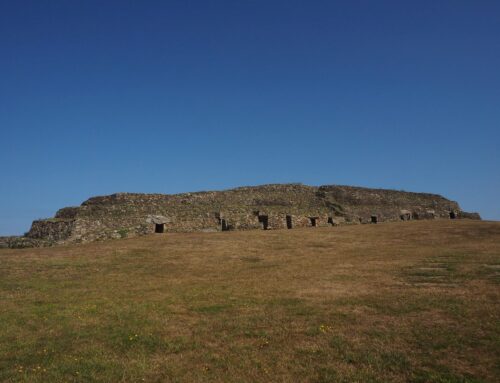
405 217
313 221
452 215
159 228
374 219
223 225
264 221
330 221
289 222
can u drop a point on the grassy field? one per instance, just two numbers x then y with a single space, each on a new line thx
396 302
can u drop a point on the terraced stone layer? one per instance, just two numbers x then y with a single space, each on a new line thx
277 206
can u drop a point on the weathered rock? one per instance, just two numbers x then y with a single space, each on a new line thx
269 207
20 242
464 214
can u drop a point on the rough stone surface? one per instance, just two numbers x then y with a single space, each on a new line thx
464 214
260 207
20 242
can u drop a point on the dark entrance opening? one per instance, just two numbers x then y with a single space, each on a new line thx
452 215
289 222
374 219
264 221
159 228
313 221
223 225
331 221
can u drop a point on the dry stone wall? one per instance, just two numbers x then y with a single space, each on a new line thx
261 207
54 229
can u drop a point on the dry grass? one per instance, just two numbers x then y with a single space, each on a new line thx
395 302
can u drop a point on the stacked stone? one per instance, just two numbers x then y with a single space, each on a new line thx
274 206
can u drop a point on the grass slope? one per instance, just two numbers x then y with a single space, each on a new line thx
395 302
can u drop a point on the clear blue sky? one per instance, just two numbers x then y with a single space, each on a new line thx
98 97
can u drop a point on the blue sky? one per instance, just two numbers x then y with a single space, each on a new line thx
98 97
